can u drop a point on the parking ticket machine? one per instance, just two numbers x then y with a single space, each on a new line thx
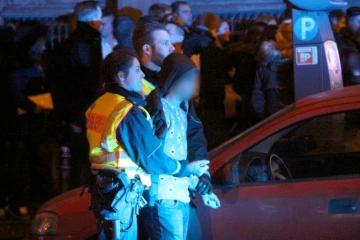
317 65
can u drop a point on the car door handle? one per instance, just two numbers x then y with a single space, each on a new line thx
343 206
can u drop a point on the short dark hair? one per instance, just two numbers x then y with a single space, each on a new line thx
176 5
106 12
158 10
143 34
115 62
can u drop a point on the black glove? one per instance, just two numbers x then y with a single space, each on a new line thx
204 185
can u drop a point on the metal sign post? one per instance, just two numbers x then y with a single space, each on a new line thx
316 58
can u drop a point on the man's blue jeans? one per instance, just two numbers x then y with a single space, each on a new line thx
167 220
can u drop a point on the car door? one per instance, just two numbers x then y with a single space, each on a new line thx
321 201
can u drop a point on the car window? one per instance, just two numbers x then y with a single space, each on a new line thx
324 146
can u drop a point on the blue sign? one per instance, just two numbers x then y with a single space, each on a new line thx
306 28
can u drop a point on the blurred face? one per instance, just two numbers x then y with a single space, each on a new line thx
107 27
132 81
224 32
185 14
187 87
354 24
162 47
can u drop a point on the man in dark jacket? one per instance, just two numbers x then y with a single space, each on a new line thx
274 84
349 47
75 78
204 48
152 44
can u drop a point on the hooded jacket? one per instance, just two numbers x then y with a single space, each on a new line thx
173 68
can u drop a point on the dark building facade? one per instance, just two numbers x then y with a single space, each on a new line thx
50 9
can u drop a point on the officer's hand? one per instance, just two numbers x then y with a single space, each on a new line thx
198 168
211 200
204 185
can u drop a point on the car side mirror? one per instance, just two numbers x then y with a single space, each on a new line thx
227 176
302 144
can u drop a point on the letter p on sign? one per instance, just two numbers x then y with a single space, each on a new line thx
305 28
307 25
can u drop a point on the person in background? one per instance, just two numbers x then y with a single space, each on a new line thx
224 33
108 39
274 83
159 10
27 121
152 43
337 20
73 71
134 13
123 29
204 48
348 43
183 10
204 35
169 218
269 20
174 26
242 54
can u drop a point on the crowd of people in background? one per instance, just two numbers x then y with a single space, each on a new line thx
244 79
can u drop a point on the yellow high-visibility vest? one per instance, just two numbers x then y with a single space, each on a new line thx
147 87
102 120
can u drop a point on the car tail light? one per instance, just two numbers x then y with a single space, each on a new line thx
45 223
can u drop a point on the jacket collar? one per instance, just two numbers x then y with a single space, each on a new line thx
86 29
150 75
133 97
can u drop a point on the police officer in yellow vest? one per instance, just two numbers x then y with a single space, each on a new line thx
123 145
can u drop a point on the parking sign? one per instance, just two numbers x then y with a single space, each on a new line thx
306 28
307 55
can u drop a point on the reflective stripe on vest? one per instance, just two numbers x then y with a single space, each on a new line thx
102 121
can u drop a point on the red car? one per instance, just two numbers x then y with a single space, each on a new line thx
295 175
